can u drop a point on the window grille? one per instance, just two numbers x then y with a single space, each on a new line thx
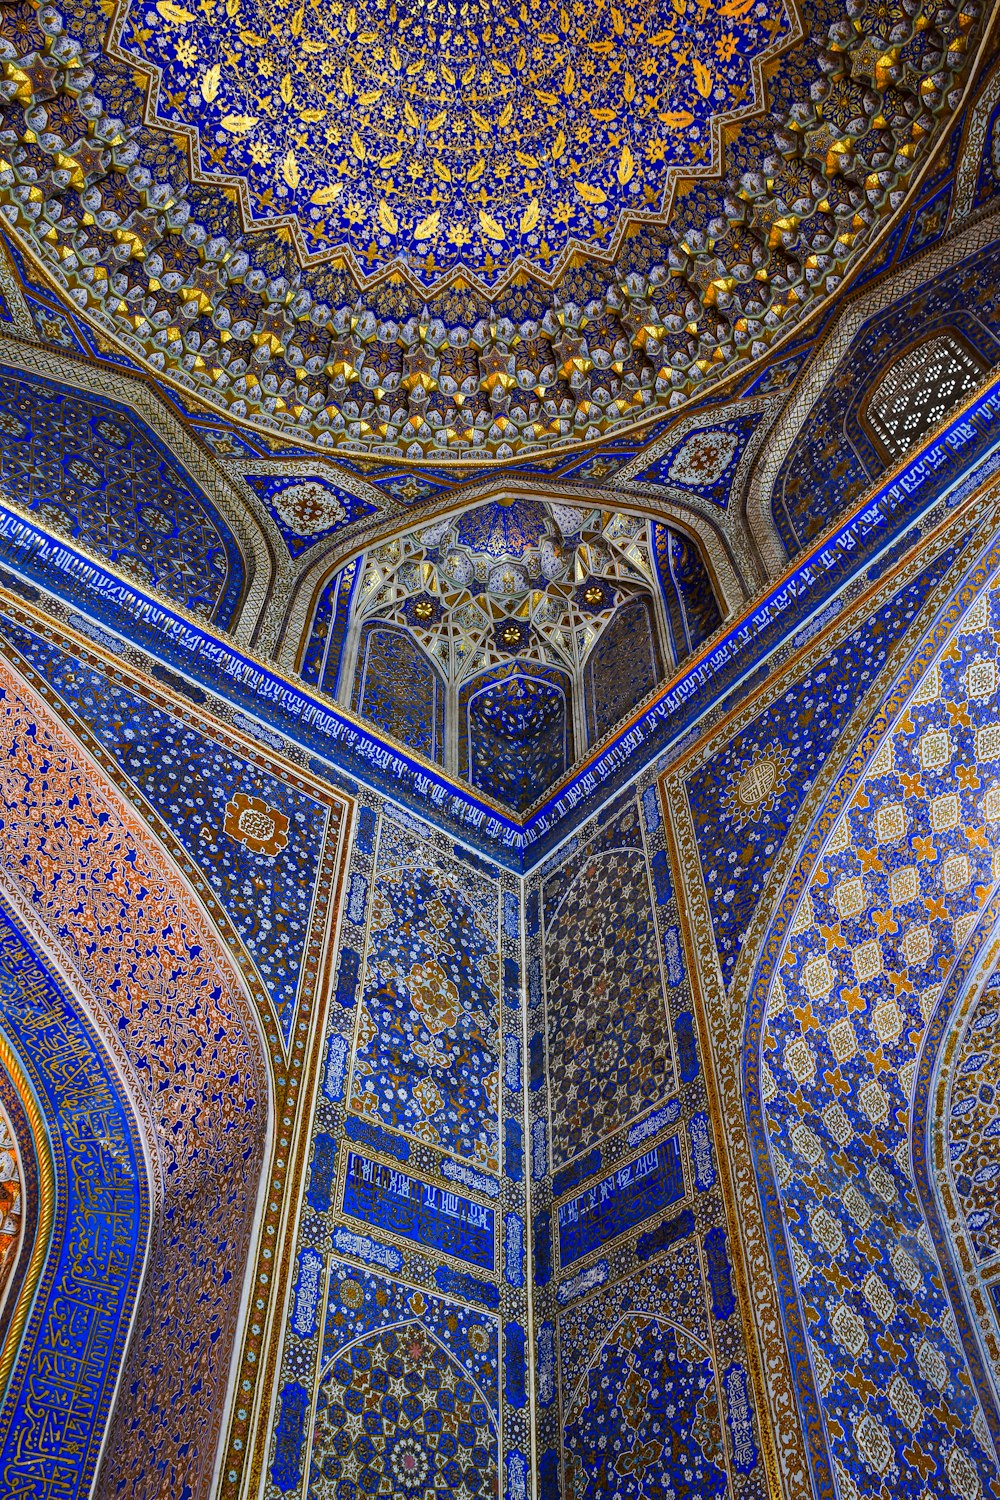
919 390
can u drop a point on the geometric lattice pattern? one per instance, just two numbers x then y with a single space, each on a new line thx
906 868
919 390
609 1051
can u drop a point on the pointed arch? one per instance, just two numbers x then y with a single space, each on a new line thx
871 936
141 961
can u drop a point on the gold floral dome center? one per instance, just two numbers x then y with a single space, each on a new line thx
449 137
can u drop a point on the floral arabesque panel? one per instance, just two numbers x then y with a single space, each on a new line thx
426 1059
207 796
608 1037
92 471
906 868
833 460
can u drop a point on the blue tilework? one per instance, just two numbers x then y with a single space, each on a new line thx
692 609
396 687
515 735
646 1420
719 1278
91 470
54 1412
618 1202
471 1337
189 779
434 1217
739 1419
608 1039
345 508
798 731
286 1471
503 530
959 454
705 461
850 986
464 1284
622 668
973 1132
321 659
433 1367
833 443
427 1054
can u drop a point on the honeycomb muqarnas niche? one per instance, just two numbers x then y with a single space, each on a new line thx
506 640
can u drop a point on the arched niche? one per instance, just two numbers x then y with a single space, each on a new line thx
516 733
897 873
140 964
623 667
397 688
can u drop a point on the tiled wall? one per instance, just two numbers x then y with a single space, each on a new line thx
642 1376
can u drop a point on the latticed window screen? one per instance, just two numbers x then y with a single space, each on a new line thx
919 390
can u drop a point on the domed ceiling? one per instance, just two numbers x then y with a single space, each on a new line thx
435 139
461 234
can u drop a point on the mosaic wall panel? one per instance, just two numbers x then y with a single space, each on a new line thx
396 687
833 444
515 732
608 1038
622 668
408 1396
973 1131
115 909
844 996
647 1418
90 470
405 1349
266 884
54 1412
426 1059
642 1375
744 798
